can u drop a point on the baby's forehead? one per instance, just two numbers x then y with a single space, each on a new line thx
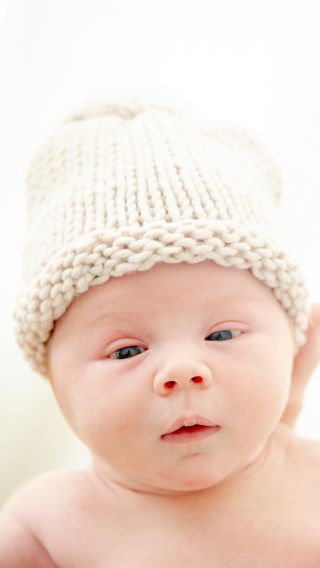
165 283
206 275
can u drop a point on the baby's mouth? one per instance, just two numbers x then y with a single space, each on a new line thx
190 433
189 429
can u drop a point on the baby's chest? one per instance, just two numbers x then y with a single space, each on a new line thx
243 546
267 550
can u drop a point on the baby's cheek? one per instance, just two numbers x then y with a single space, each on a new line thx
260 394
111 419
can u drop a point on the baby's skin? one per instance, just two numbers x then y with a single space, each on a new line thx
129 359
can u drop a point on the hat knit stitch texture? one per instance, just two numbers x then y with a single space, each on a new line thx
121 185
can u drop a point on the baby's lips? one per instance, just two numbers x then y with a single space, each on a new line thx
193 420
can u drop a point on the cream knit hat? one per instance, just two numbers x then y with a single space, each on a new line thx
122 185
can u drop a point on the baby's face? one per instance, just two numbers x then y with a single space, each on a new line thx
123 360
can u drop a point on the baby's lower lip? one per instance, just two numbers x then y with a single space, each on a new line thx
190 434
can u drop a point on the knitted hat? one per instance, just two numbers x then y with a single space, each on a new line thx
121 186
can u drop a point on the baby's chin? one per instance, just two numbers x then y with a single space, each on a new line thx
200 473
192 473
196 475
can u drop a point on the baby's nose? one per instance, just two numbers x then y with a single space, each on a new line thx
182 376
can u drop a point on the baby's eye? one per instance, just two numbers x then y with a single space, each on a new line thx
126 352
223 334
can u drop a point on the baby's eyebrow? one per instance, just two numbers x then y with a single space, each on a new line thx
114 318
239 302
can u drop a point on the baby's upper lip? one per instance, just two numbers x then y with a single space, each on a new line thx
189 421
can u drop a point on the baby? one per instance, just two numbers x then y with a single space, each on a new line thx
169 321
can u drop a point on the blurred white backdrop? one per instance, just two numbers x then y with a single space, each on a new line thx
249 61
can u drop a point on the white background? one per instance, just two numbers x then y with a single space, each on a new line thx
255 63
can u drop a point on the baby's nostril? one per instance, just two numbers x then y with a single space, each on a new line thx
197 379
170 384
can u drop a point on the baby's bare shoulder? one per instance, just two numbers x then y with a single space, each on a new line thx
42 490
39 514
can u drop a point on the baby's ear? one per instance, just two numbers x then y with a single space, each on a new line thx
304 364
